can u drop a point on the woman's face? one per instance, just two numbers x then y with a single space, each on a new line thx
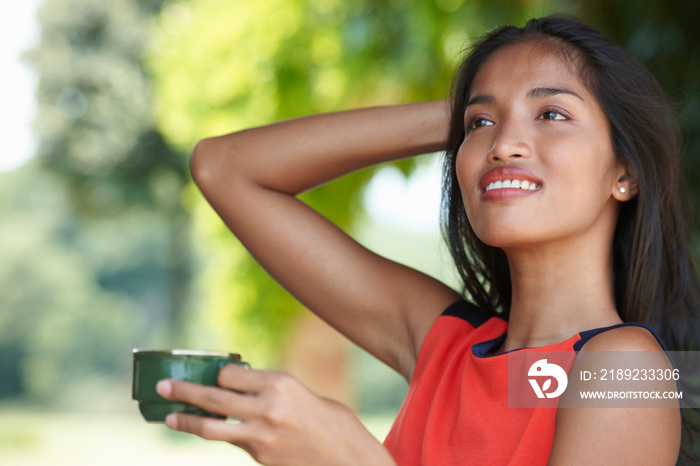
537 164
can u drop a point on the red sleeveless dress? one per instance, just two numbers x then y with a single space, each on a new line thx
456 411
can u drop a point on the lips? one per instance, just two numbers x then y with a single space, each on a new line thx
508 182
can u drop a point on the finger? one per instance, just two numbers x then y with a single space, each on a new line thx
205 427
212 399
243 379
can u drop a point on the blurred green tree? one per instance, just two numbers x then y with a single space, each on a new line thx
58 327
222 66
96 252
96 129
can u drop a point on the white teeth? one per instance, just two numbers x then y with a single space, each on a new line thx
517 184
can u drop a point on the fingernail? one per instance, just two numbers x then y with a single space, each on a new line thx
164 388
171 420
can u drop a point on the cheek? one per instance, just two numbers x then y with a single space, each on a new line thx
466 172
467 177
591 170
469 197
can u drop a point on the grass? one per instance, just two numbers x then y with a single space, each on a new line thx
113 437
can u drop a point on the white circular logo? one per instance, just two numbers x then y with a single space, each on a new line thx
541 369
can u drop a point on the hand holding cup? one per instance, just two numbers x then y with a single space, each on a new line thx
200 367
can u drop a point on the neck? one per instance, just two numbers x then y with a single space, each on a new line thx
558 292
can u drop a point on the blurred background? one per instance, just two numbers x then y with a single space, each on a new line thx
106 245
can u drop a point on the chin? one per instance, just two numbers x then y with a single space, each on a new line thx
505 239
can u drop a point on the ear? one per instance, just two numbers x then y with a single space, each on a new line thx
625 188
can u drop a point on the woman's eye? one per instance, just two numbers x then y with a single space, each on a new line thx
552 115
479 123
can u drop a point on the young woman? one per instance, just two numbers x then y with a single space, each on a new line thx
564 214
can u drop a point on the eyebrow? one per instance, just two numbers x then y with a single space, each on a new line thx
534 93
539 92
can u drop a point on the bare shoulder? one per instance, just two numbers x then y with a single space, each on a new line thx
626 338
627 427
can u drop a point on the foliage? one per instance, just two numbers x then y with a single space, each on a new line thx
57 326
96 130
222 66
94 120
95 239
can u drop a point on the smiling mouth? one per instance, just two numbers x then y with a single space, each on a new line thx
513 184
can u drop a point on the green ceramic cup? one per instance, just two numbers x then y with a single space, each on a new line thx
150 366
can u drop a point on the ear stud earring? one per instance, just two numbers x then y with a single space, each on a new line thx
623 190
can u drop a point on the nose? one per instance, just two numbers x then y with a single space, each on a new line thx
510 141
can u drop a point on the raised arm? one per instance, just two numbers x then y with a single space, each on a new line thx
251 179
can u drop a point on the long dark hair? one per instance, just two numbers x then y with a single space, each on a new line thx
655 282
